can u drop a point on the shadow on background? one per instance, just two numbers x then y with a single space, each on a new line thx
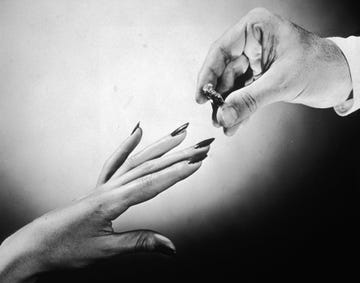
14 209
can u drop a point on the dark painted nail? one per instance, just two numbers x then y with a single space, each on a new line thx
167 250
196 159
136 127
180 130
204 143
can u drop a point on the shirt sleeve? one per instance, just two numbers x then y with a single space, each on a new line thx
350 47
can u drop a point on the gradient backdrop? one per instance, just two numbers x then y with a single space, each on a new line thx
278 198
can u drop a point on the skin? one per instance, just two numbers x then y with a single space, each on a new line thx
279 61
82 232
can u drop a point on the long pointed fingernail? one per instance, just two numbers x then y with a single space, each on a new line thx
165 246
196 159
167 250
136 127
204 143
180 130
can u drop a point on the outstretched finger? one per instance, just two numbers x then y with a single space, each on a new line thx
120 155
147 187
212 69
153 151
194 153
229 47
139 241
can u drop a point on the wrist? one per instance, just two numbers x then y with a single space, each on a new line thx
17 263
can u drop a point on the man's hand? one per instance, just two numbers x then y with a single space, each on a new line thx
82 232
265 59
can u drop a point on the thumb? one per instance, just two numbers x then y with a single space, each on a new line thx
242 103
141 241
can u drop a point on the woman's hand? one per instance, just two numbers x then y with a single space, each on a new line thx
265 59
82 232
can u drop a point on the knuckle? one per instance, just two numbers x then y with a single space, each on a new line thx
131 161
147 180
249 101
148 166
181 170
97 207
258 13
100 210
260 18
103 188
218 46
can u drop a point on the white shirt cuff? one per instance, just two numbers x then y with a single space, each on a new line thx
350 47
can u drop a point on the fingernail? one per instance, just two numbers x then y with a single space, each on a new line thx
164 245
229 116
204 143
180 130
167 250
196 159
136 127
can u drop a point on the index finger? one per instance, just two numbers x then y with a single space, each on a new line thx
230 45
212 69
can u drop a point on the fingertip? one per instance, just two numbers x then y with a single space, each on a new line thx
139 131
213 115
200 99
141 241
228 132
136 127
165 240
136 134
231 131
197 158
195 165
179 130
215 123
205 149
164 245
227 116
180 137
